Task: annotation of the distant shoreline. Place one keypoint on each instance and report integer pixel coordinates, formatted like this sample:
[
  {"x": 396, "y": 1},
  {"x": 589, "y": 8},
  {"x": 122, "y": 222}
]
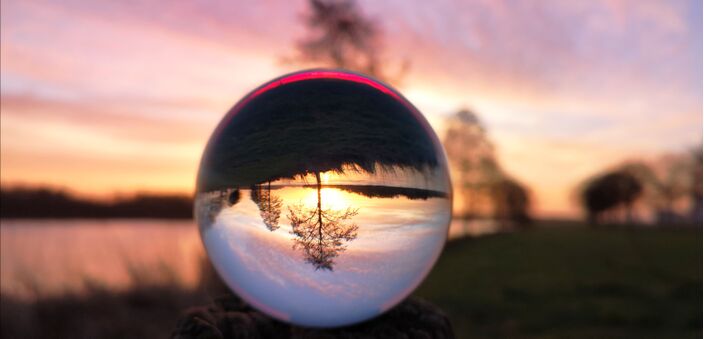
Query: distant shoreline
[
  {"x": 45, "y": 203},
  {"x": 370, "y": 191},
  {"x": 44, "y": 219},
  {"x": 380, "y": 191}
]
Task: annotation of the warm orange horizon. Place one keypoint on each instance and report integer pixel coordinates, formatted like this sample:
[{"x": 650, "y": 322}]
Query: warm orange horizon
[{"x": 110, "y": 98}]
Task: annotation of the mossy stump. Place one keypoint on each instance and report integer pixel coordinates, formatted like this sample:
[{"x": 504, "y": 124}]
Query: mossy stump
[{"x": 229, "y": 317}]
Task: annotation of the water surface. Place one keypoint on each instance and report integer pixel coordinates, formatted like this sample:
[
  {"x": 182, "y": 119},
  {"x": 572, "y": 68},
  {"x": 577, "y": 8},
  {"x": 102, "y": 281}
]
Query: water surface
[{"x": 52, "y": 257}]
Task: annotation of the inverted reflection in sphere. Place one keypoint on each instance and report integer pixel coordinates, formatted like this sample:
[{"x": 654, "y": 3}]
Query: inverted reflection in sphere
[{"x": 323, "y": 198}]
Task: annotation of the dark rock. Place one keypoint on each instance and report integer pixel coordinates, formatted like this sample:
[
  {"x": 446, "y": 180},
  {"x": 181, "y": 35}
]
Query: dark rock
[{"x": 230, "y": 317}]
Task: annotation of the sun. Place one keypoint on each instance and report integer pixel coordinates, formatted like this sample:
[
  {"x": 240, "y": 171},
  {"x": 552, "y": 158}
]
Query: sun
[
  {"x": 334, "y": 198},
  {"x": 330, "y": 198}
]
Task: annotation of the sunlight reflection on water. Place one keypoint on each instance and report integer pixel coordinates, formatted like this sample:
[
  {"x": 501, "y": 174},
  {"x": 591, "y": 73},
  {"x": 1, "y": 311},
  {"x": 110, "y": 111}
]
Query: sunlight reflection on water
[{"x": 42, "y": 258}]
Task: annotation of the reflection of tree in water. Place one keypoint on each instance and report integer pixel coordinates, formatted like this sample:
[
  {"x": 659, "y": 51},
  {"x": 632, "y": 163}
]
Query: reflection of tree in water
[
  {"x": 321, "y": 233},
  {"x": 269, "y": 205}
]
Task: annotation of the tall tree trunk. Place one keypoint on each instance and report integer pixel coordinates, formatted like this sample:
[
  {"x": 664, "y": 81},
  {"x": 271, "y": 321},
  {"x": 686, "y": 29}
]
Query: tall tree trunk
[
  {"x": 268, "y": 193},
  {"x": 320, "y": 211}
]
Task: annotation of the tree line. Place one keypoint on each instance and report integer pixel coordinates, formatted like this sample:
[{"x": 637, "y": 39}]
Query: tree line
[
  {"x": 43, "y": 203},
  {"x": 665, "y": 191}
]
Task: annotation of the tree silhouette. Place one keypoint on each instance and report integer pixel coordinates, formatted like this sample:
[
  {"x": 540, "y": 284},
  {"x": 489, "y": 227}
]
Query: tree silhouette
[
  {"x": 472, "y": 155},
  {"x": 269, "y": 205},
  {"x": 609, "y": 192},
  {"x": 46, "y": 202},
  {"x": 321, "y": 233},
  {"x": 485, "y": 189},
  {"x": 511, "y": 202},
  {"x": 340, "y": 35},
  {"x": 695, "y": 188},
  {"x": 673, "y": 179}
]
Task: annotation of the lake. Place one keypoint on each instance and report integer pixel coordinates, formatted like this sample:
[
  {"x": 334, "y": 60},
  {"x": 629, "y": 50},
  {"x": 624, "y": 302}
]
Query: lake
[
  {"x": 49, "y": 257},
  {"x": 39, "y": 258}
]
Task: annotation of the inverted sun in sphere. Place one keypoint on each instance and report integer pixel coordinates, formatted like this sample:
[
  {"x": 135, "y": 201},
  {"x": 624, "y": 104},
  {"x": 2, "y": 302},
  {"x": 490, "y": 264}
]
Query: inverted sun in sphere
[{"x": 323, "y": 198}]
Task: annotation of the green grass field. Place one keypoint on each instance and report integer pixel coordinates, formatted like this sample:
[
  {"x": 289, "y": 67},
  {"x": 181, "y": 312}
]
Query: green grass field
[{"x": 572, "y": 282}]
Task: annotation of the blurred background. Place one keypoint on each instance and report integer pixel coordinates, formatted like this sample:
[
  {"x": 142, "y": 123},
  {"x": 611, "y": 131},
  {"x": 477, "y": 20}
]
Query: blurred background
[{"x": 573, "y": 129}]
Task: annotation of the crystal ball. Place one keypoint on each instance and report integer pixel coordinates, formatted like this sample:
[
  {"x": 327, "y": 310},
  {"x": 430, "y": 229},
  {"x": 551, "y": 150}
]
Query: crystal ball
[{"x": 323, "y": 198}]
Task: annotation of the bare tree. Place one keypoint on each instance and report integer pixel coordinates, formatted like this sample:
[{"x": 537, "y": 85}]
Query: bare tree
[
  {"x": 320, "y": 233},
  {"x": 340, "y": 35},
  {"x": 269, "y": 205}
]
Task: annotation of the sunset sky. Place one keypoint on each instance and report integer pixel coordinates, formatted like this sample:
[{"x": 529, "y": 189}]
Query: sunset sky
[{"x": 106, "y": 97}]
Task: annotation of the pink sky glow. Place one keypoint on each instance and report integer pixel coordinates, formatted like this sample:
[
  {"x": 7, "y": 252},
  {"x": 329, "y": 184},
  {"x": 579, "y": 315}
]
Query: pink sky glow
[{"x": 104, "y": 97}]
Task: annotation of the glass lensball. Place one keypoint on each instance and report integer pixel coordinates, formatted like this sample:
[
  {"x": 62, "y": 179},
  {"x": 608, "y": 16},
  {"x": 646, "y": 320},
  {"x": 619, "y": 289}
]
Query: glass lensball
[{"x": 323, "y": 198}]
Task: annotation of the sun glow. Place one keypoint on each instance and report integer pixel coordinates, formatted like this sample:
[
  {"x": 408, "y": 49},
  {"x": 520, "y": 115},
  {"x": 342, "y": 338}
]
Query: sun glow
[{"x": 330, "y": 198}]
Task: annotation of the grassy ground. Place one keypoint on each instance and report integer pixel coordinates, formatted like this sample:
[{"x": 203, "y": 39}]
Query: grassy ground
[
  {"x": 572, "y": 283},
  {"x": 144, "y": 312}
]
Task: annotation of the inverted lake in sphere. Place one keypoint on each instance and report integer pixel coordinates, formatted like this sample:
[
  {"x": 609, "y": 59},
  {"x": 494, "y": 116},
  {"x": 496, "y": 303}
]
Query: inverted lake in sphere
[
  {"x": 323, "y": 198},
  {"x": 398, "y": 239}
]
